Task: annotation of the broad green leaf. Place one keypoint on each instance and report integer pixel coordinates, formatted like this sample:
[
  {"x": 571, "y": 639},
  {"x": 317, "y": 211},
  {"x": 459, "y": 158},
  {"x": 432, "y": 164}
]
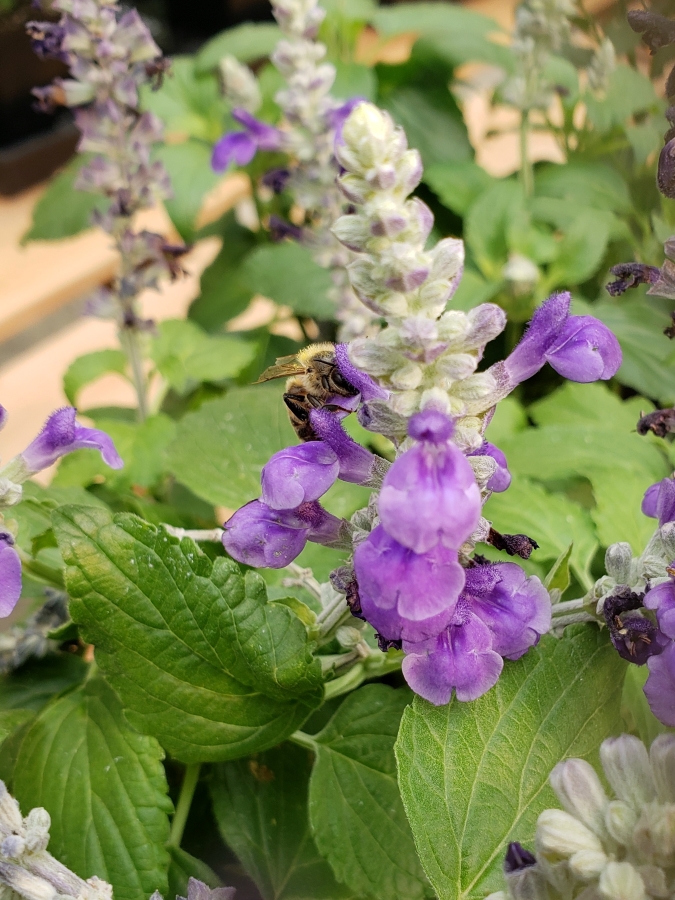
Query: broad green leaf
[
  {"x": 34, "y": 513},
  {"x": 37, "y": 681},
  {"x": 186, "y": 355},
  {"x": 629, "y": 92},
  {"x": 90, "y": 367},
  {"x": 551, "y": 519},
  {"x": 457, "y": 184},
  {"x": 103, "y": 785},
  {"x": 287, "y": 274},
  {"x": 199, "y": 658},
  {"x": 62, "y": 211},
  {"x": 182, "y": 867},
  {"x": 472, "y": 291},
  {"x": 509, "y": 418},
  {"x": 354, "y": 80},
  {"x": 474, "y": 776},
  {"x": 645, "y": 138},
  {"x": 189, "y": 102},
  {"x": 248, "y": 42},
  {"x": 580, "y": 251},
  {"x": 11, "y": 719},
  {"x": 260, "y": 805},
  {"x": 487, "y": 223},
  {"x": 354, "y": 802},
  {"x": 588, "y": 184},
  {"x": 220, "y": 449},
  {"x": 189, "y": 167},
  {"x": 588, "y": 404}
]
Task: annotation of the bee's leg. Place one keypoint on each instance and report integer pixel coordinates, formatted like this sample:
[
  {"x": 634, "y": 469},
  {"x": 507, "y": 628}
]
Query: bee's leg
[{"x": 296, "y": 408}]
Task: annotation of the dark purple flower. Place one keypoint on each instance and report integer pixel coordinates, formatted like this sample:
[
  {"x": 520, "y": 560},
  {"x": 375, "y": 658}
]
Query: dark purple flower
[
  {"x": 630, "y": 275},
  {"x": 241, "y": 146},
  {"x": 502, "y": 477},
  {"x": 276, "y": 179},
  {"x": 46, "y": 39},
  {"x": 61, "y": 435},
  {"x": 659, "y": 501},
  {"x": 665, "y": 176},
  {"x": 662, "y": 599},
  {"x": 260, "y": 536},
  {"x": 517, "y": 858},
  {"x": 10, "y": 574},
  {"x": 580, "y": 348},
  {"x": 357, "y": 465},
  {"x": 429, "y": 495},
  {"x": 634, "y": 636},
  {"x": 299, "y": 475},
  {"x": 363, "y": 383},
  {"x": 403, "y": 594},
  {"x": 280, "y": 229}
]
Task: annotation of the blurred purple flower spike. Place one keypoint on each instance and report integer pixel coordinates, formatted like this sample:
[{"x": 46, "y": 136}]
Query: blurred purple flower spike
[
  {"x": 61, "y": 435},
  {"x": 10, "y": 574},
  {"x": 3, "y": 417},
  {"x": 241, "y": 146}
]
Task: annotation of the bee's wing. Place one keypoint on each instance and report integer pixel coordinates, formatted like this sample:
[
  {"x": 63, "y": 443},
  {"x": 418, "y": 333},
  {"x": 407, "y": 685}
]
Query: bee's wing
[{"x": 281, "y": 370}]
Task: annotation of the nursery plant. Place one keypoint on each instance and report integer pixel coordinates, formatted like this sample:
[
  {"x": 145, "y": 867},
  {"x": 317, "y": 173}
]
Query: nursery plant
[{"x": 363, "y": 632}]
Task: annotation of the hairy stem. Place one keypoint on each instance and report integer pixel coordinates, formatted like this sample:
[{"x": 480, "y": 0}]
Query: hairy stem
[
  {"x": 187, "y": 792},
  {"x": 212, "y": 535},
  {"x": 567, "y": 606},
  {"x": 526, "y": 171},
  {"x": 129, "y": 339}
]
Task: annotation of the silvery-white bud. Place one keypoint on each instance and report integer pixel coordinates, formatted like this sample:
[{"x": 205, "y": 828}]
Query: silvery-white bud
[
  {"x": 240, "y": 86},
  {"x": 448, "y": 258},
  {"x": 580, "y": 792},
  {"x": 654, "y": 834},
  {"x": 374, "y": 358},
  {"x": 667, "y": 533},
  {"x": 13, "y": 846},
  {"x": 348, "y": 636},
  {"x": 454, "y": 326},
  {"x": 620, "y": 819},
  {"x": 409, "y": 171},
  {"x": 486, "y": 321},
  {"x": 475, "y": 387},
  {"x": 587, "y": 864},
  {"x": 468, "y": 433},
  {"x": 527, "y": 884},
  {"x": 353, "y": 231},
  {"x": 621, "y": 881},
  {"x": 560, "y": 834},
  {"x": 10, "y": 814},
  {"x": 366, "y": 133},
  {"x": 662, "y": 758},
  {"x": 618, "y": 559},
  {"x": 37, "y": 824},
  {"x": 378, "y": 416},
  {"x": 29, "y": 886},
  {"x": 407, "y": 377},
  {"x": 436, "y": 398},
  {"x": 10, "y": 493},
  {"x": 355, "y": 188},
  {"x": 484, "y": 467},
  {"x": 654, "y": 880},
  {"x": 627, "y": 768},
  {"x": 456, "y": 366}
]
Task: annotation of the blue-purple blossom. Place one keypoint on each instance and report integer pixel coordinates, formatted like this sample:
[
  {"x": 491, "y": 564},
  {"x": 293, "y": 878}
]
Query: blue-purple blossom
[
  {"x": 659, "y": 501},
  {"x": 500, "y": 613},
  {"x": 501, "y": 479},
  {"x": 10, "y": 574},
  {"x": 356, "y": 464},
  {"x": 429, "y": 495},
  {"x": 361, "y": 381},
  {"x": 241, "y": 146},
  {"x": 299, "y": 475},
  {"x": 581, "y": 348},
  {"x": 61, "y": 435},
  {"x": 405, "y": 595},
  {"x": 262, "y": 537},
  {"x": 660, "y": 686}
]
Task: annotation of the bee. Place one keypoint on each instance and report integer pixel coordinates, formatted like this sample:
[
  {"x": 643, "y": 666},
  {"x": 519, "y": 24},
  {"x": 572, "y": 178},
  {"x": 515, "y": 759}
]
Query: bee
[{"x": 315, "y": 382}]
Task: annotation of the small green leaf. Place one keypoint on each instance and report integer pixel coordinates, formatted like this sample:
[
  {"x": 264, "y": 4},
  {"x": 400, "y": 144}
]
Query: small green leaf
[
  {"x": 287, "y": 274},
  {"x": 354, "y": 802},
  {"x": 629, "y": 92},
  {"x": 103, "y": 785},
  {"x": 464, "y": 796},
  {"x": 189, "y": 167},
  {"x": 457, "y": 184},
  {"x": 487, "y": 223},
  {"x": 232, "y": 438},
  {"x": 199, "y": 658},
  {"x": 186, "y": 355},
  {"x": 90, "y": 367},
  {"x": 637, "y": 716},
  {"x": 558, "y": 578},
  {"x": 248, "y": 42},
  {"x": 580, "y": 251},
  {"x": 63, "y": 211},
  {"x": 589, "y": 184},
  {"x": 189, "y": 102},
  {"x": 260, "y": 805}
]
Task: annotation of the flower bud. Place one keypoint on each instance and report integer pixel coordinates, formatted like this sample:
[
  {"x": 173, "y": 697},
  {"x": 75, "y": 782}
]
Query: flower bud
[
  {"x": 240, "y": 86},
  {"x": 627, "y": 768},
  {"x": 348, "y": 636},
  {"x": 378, "y": 416},
  {"x": 352, "y": 231},
  {"x": 667, "y": 534},
  {"x": 620, "y": 881},
  {"x": 456, "y": 366},
  {"x": 620, "y": 819},
  {"x": 654, "y": 880},
  {"x": 409, "y": 171},
  {"x": 448, "y": 258},
  {"x": 662, "y": 758},
  {"x": 407, "y": 377},
  {"x": 10, "y": 493},
  {"x": 587, "y": 864},
  {"x": 580, "y": 792},
  {"x": 560, "y": 834},
  {"x": 618, "y": 559},
  {"x": 485, "y": 323},
  {"x": 654, "y": 834},
  {"x": 37, "y": 823},
  {"x": 484, "y": 467}
]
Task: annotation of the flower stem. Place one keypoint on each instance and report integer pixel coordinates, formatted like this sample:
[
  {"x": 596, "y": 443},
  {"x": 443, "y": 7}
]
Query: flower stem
[
  {"x": 572, "y": 620},
  {"x": 526, "y": 171},
  {"x": 187, "y": 792},
  {"x": 303, "y": 740},
  {"x": 567, "y": 606},
  {"x": 213, "y": 535},
  {"x": 129, "y": 339}
]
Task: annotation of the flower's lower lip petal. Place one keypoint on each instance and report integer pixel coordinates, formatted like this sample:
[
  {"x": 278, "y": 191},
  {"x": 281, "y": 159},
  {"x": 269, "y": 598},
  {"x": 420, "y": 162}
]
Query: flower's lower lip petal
[{"x": 10, "y": 578}]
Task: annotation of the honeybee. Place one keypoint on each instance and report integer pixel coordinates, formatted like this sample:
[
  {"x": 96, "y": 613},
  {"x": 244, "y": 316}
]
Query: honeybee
[{"x": 315, "y": 382}]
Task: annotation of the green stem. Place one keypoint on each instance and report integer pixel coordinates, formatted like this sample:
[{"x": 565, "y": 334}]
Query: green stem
[
  {"x": 187, "y": 792},
  {"x": 129, "y": 339},
  {"x": 526, "y": 171},
  {"x": 303, "y": 740}
]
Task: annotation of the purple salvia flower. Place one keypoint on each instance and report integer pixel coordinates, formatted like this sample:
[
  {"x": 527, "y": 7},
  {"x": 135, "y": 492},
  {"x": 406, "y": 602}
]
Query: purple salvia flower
[
  {"x": 660, "y": 686},
  {"x": 634, "y": 636},
  {"x": 61, "y": 435},
  {"x": 659, "y": 501},
  {"x": 3, "y": 417},
  {"x": 429, "y": 495},
  {"x": 47, "y": 39},
  {"x": 10, "y": 574},
  {"x": 363, "y": 383},
  {"x": 280, "y": 229},
  {"x": 260, "y": 536},
  {"x": 501, "y": 479},
  {"x": 276, "y": 179},
  {"x": 241, "y": 146},
  {"x": 405, "y": 595},
  {"x": 299, "y": 475},
  {"x": 357, "y": 465}
]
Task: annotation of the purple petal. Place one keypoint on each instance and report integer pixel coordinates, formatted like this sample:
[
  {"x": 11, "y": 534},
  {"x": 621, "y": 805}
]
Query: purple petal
[
  {"x": 659, "y": 501},
  {"x": 237, "y": 147},
  {"x": 324, "y": 528},
  {"x": 263, "y": 537},
  {"x": 431, "y": 426},
  {"x": 405, "y": 595},
  {"x": 545, "y": 326},
  {"x": 650, "y": 500},
  {"x": 356, "y": 464},
  {"x": 360, "y": 381},
  {"x": 3, "y": 417},
  {"x": 660, "y": 686},
  {"x": 515, "y": 608},
  {"x": 10, "y": 574},
  {"x": 461, "y": 658},
  {"x": 299, "y": 474},
  {"x": 662, "y": 599},
  {"x": 266, "y": 136},
  {"x": 501, "y": 479},
  {"x": 586, "y": 350},
  {"x": 430, "y": 496},
  {"x": 61, "y": 435}
]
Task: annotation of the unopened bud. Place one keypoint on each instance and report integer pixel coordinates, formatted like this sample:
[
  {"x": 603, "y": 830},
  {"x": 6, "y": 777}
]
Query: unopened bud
[
  {"x": 240, "y": 86},
  {"x": 627, "y": 768},
  {"x": 667, "y": 533},
  {"x": 654, "y": 834},
  {"x": 348, "y": 636},
  {"x": 37, "y": 824},
  {"x": 620, "y": 881},
  {"x": 618, "y": 559},
  {"x": 587, "y": 864},
  {"x": 560, "y": 834},
  {"x": 10, "y": 493},
  {"x": 620, "y": 819},
  {"x": 662, "y": 758},
  {"x": 407, "y": 377},
  {"x": 580, "y": 792},
  {"x": 377, "y": 416},
  {"x": 654, "y": 880}
]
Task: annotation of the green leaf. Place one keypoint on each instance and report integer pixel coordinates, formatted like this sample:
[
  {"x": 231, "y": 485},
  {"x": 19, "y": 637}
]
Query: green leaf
[
  {"x": 629, "y": 92},
  {"x": 580, "y": 252},
  {"x": 287, "y": 274},
  {"x": 558, "y": 578},
  {"x": 487, "y": 223},
  {"x": 186, "y": 355},
  {"x": 36, "y": 682},
  {"x": 90, "y": 367},
  {"x": 199, "y": 658},
  {"x": 637, "y": 716},
  {"x": 189, "y": 167},
  {"x": 11, "y": 719},
  {"x": 260, "y": 806},
  {"x": 509, "y": 418},
  {"x": 457, "y": 184},
  {"x": 590, "y": 184},
  {"x": 464, "y": 796},
  {"x": 551, "y": 519},
  {"x": 34, "y": 513},
  {"x": 354, "y": 80},
  {"x": 182, "y": 867},
  {"x": 103, "y": 785},
  {"x": 588, "y": 404},
  {"x": 62, "y": 211},
  {"x": 354, "y": 803},
  {"x": 220, "y": 449},
  {"x": 248, "y": 42}
]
